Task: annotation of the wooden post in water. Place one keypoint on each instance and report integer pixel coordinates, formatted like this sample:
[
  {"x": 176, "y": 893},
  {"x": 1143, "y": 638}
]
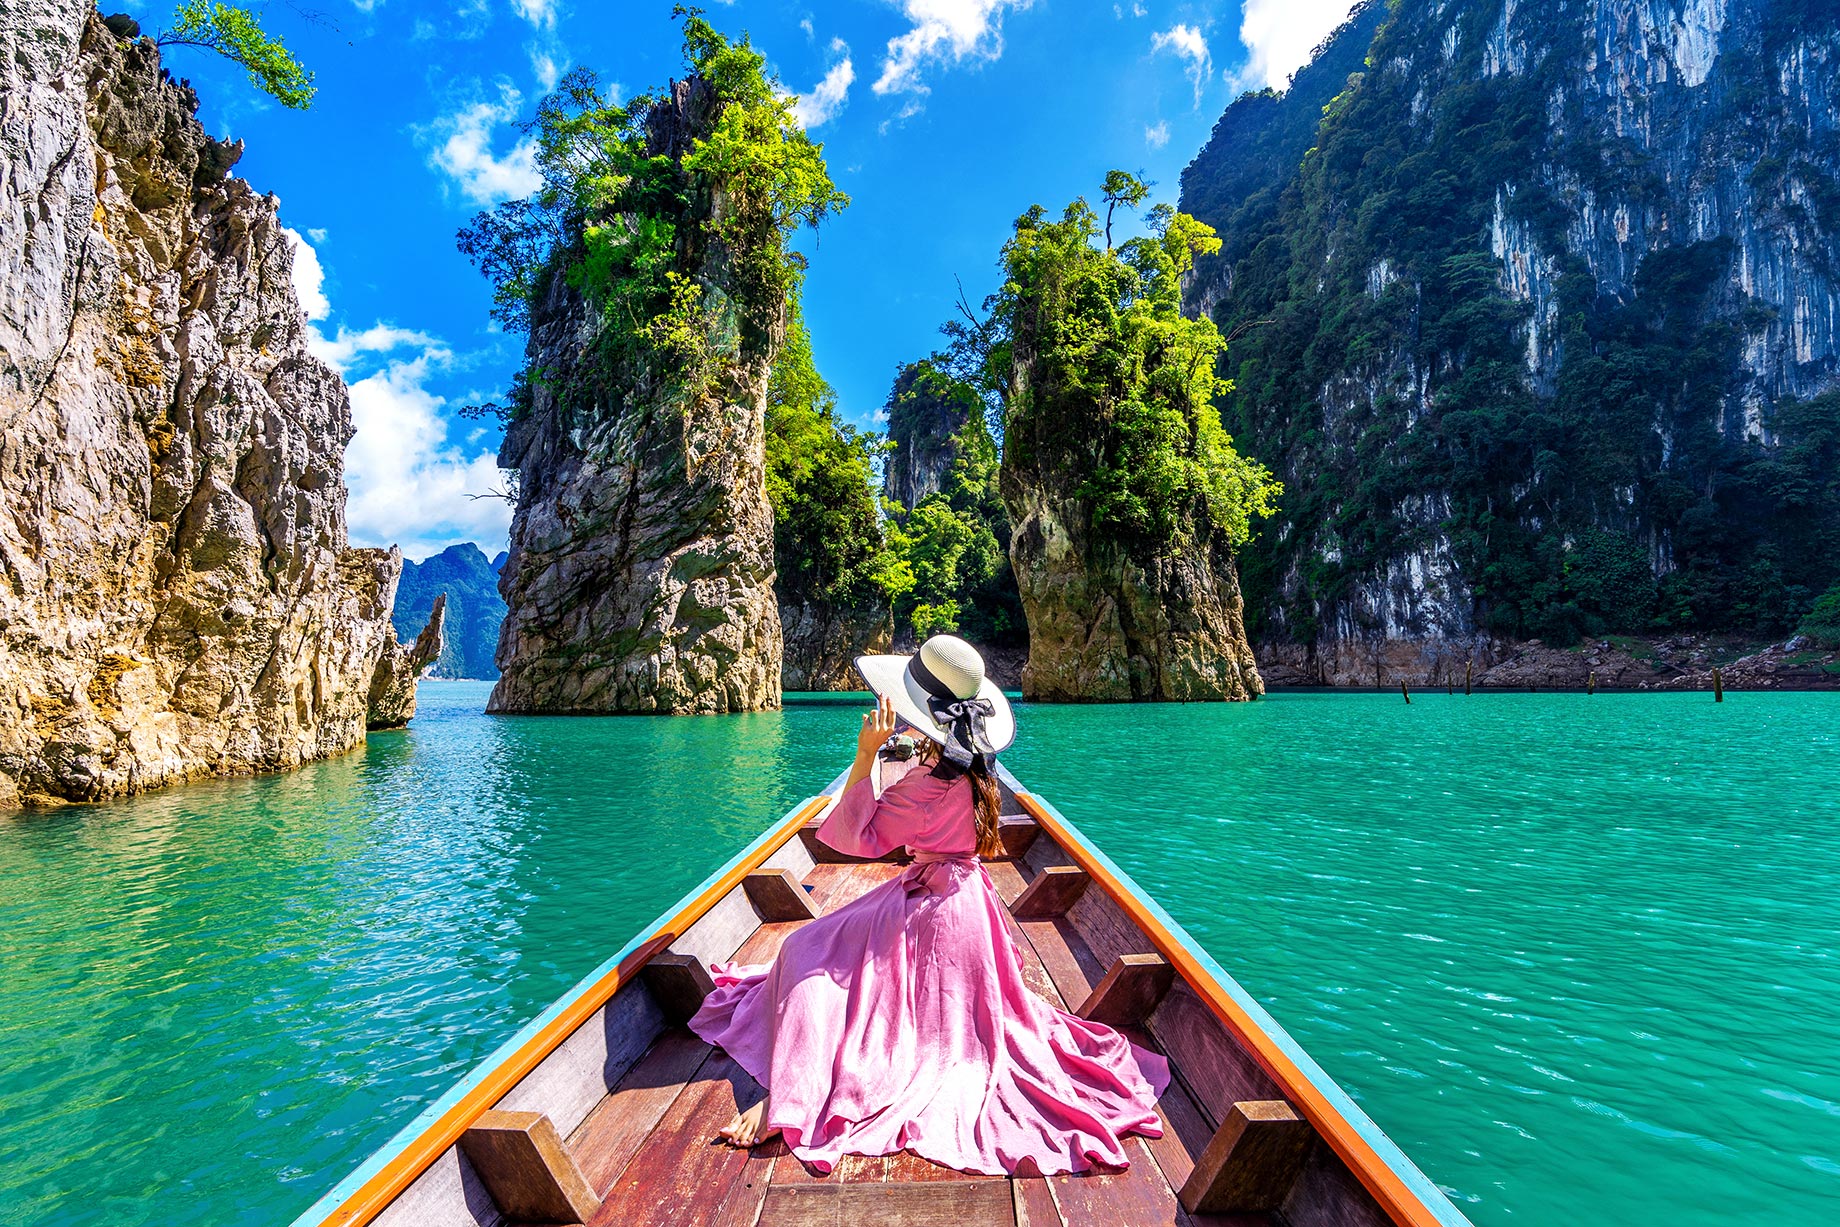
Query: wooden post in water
[
  {"x": 1407, "y": 694},
  {"x": 1718, "y": 686},
  {"x": 1590, "y": 683},
  {"x": 1467, "y": 666}
]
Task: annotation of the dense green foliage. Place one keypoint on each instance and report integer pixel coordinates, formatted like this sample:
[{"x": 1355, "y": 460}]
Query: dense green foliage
[
  {"x": 828, "y": 538},
  {"x": 1119, "y": 385},
  {"x": 627, "y": 214},
  {"x": 1562, "y": 501},
  {"x": 955, "y": 541},
  {"x": 1823, "y": 621},
  {"x": 236, "y": 34}
]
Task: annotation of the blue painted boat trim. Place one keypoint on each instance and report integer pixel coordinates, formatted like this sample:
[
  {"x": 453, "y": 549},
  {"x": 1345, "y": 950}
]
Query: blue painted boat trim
[
  {"x": 1402, "y": 1166},
  {"x": 335, "y": 1196}
]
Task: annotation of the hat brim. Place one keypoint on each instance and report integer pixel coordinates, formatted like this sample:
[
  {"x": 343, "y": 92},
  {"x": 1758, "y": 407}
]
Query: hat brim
[{"x": 888, "y": 677}]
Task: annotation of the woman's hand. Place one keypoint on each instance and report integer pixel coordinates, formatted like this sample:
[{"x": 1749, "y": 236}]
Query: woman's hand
[{"x": 877, "y": 727}]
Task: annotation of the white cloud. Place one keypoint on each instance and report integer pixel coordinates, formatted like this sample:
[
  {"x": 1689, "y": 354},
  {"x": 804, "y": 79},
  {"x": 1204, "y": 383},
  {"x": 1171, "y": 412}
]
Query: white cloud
[
  {"x": 1280, "y": 34},
  {"x": 308, "y": 276},
  {"x": 548, "y": 63},
  {"x": 943, "y": 31},
  {"x": 539, "y": 13},
  {"x": 317, "y": 234},
  {"x": 1157, "y": 135},
  {"x": 821, "y": 102},
  {"x": 462, "y": 148},
  {"x": 341, "y": 351},
  {"x": 1187, "y": 43},
  {"x": 410, "y": 484}
]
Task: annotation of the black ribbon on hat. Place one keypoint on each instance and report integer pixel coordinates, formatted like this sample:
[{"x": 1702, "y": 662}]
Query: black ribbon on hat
[{"x": 963, "y": 719}]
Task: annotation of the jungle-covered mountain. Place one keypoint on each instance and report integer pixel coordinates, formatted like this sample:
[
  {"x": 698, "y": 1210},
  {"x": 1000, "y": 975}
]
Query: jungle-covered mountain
[
  {"x": 474, "y": 608},
  {"x": 1533, "y": 309}
]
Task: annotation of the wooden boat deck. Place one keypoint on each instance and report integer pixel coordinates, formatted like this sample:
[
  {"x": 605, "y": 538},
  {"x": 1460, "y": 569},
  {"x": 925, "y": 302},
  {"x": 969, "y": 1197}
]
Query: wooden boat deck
[{"x": 646, "y": 1148}]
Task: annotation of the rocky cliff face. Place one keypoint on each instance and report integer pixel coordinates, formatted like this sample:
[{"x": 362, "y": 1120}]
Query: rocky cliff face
[
  {"x": 179, "y": 596},
  {"x": 822, "y": 644},
  {"x": 640, "y": 576},
  {"x": 1107, "y": 627},
  {"x": 1538, "y": 326},
  {"x": 924, "y": 419}
]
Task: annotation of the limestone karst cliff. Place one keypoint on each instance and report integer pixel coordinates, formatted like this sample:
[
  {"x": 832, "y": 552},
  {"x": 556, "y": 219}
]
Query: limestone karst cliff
[
  {"x": 924, "y": 421},
  {"x": 1536, "y": 310},
  {"x": 180, "y": 598},
  {"x": 641, "y": 569}
]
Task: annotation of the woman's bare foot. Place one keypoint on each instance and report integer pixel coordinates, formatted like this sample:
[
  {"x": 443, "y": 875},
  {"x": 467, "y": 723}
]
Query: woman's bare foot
[{"x": 747, "y": 1130}]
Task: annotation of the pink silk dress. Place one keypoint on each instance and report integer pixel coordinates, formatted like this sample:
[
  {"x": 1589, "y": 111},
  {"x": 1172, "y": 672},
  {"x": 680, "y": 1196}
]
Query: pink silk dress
[{"x": 902, "y": 1020}]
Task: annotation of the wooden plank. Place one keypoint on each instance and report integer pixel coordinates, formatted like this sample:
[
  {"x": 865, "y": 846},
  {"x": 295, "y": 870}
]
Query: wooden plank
[
  {"x": 1034, "y": 971},
  {"x": 1107, "y": 930},
  {"x": 1051, "y": 893},
  {"x": 851, "y": 882},
  {"x": 578, "y": 1075},
  {"x": 610, "y": 1136},
  {"x": 719, "y": 932},
  {"x": 765, "y": 945},
  {"x": 956, "y": 1203},
  {"x": 823, "y": 854},
  {"x": 1130, "y": 991},
  {"x": 1136, "y": 1196},
  {"x": 1253, "y": 1160},
  {"x": 777, "y": 896},
  {"x": 678, "y": 983},
  {"x": 906, "y": 1167},
  {"x": 1186, "y": 1133},
  {"x": 1033, "y": 1202},
  {"x": 1218, "y": 1072},
  {"x": 527, "y": 1169},
  {"x": 1007, "y": 879},
  {"x": 1065, "y": 956},
  {"x": 448, "y": 1194},
  {"x": 681, "y": 1176},
  {"x": 1329, "y": 1195},
  {"x": 1018, "y": 833}
]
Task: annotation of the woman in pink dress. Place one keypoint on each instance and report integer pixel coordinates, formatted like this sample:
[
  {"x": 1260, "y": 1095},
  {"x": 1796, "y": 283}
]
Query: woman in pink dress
[{"x": 902, "y": 1021}]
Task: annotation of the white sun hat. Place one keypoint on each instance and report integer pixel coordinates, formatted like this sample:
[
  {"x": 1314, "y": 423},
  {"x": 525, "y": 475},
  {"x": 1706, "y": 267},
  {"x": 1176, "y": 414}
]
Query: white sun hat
[{"x": 946, "y": 669}]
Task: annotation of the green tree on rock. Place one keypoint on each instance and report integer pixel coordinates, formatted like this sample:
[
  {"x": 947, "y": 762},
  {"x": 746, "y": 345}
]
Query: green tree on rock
[{"x": 236, "y": 34}]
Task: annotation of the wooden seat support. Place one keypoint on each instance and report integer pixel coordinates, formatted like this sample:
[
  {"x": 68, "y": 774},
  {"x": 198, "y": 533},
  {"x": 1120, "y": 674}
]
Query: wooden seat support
[
  {"x": 678, "y": 983},
  {"x": 527, "y": 1169},
  {"x": 1051, "y": 893},
  {"x": 1018, "y": 832},
  {"x": 777, "y": 895},
  {"x": 1130, "y": 991},
  {"x": 1251, "y": 1162}
]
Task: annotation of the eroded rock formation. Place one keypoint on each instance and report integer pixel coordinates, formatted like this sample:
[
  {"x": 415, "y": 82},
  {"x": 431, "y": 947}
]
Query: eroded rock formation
[
  {"x": 822, "y": 644},
  {"x": 924, "y": 420},
  {"x": 640, "y": 576},
  {"x": 1523, "y": 293},
  {"x": 180, "y": 598},
  {"x": 1108, "y": 626}
]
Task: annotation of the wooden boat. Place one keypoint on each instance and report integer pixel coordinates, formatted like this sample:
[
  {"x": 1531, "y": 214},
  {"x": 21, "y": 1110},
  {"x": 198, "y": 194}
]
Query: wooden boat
[{"x": 601, "y": 1110}]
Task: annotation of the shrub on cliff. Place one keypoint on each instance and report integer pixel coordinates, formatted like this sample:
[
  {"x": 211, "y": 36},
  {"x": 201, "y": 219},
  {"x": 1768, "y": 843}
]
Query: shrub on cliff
[
  {"x": 1823, "y": 621},
  {"x": 235, "y": 33},
  {"x": 629, "y": 224},
  {"x": 1119, "y": 391},
  {"x": 828, "y": 542}
]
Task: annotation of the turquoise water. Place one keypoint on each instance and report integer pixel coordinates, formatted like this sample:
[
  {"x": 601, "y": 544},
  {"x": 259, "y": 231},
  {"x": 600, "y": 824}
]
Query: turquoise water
[{"x": 1579, "y": 956}]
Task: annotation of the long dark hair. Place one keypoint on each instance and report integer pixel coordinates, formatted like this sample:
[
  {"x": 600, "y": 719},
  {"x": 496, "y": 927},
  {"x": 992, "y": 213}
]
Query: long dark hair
[{"x": 986, "y": 800}]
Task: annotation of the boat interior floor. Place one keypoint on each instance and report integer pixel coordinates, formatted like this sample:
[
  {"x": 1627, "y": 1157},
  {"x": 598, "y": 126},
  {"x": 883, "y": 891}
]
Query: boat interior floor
[{"x": 648, "y": 1150}]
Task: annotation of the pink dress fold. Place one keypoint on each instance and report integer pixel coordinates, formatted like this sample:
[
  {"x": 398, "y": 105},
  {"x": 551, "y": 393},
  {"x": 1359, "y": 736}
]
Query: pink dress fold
[{"x": 902, "y": 1020}]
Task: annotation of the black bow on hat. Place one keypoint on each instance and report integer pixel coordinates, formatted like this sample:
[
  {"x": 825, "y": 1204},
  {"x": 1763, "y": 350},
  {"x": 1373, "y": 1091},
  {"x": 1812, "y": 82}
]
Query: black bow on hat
[{"x": 963, "y": 719}]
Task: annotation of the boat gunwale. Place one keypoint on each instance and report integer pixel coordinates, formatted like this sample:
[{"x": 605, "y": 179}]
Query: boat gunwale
[
  {"x": 1403, "y": 1190},
  {"x": 392, "y": 1168}
]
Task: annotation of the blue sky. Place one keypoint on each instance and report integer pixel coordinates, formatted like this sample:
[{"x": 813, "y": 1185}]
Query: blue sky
[{"x": 943, "y": 119}]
